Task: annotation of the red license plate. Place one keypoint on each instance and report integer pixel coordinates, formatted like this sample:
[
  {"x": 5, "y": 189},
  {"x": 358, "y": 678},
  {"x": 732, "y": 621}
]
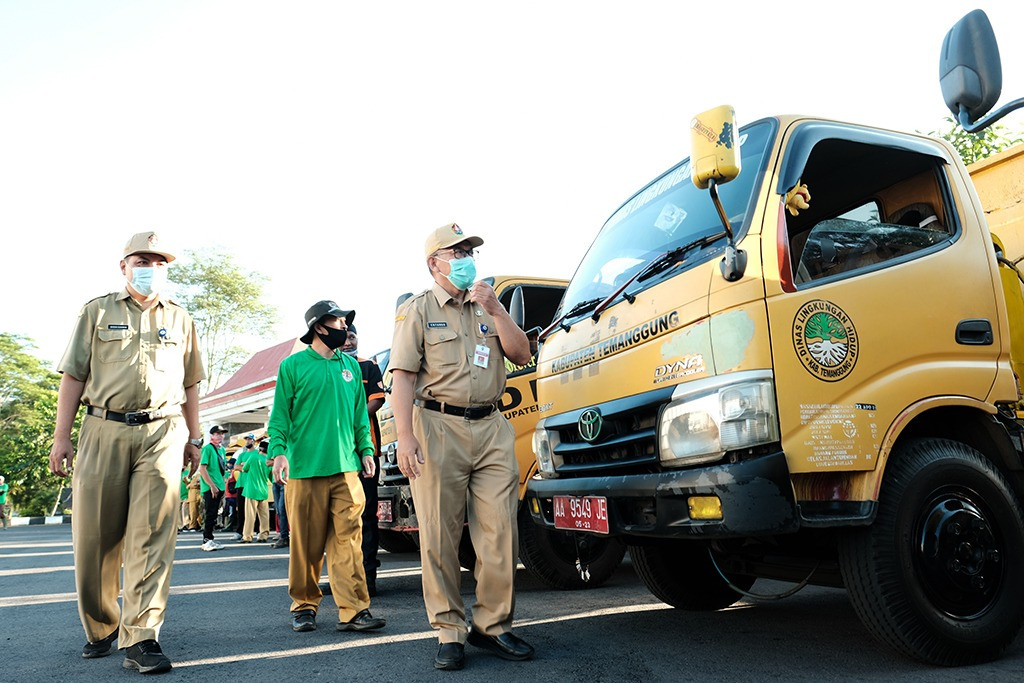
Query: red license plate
[
  {"x": 384, "y": 511},
  {"x": 587, "y": 513}
]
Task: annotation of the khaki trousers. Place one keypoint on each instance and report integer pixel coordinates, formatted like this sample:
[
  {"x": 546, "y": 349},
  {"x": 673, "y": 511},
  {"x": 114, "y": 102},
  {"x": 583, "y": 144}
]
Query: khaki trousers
[
  {"x": 470, "y": 466},
  {"x": 324, "y": 515},
  {"x": 125, "y": 502},
  {"x": 194, "y": 499},
  {"x": 254, "y": 508}
]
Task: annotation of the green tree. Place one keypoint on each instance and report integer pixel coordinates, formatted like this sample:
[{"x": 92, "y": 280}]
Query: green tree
[
  {"x": 28, "y": 409},
  {"x": 976, "y": 146},
  {"x": 824, "y": 326},
  {"x": 226, "y": 303}
]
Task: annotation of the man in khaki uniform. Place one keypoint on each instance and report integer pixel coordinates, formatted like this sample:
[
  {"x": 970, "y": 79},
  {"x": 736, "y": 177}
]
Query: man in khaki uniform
[
  {"x": 133, "y": 361},
  {"x": 447, "y": 360}
]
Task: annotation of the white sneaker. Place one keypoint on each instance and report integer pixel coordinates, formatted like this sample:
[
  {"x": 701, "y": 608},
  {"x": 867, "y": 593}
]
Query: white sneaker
[
  {"x": 210, "y": 545},
  {"x": 237, "y": 537}
]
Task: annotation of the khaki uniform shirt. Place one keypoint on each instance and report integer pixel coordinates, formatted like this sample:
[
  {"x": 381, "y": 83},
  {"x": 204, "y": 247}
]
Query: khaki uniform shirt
[
  {"x": 436, "y": 338},
  {"x": 133, "y": 359}
]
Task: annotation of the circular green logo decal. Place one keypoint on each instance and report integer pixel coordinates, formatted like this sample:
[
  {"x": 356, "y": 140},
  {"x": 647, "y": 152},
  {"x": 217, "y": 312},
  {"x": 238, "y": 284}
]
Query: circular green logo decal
[{"x": 825, "y": 340}]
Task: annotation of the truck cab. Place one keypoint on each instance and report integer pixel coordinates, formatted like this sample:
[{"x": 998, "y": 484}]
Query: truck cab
[{"x": 802, "y": 372}]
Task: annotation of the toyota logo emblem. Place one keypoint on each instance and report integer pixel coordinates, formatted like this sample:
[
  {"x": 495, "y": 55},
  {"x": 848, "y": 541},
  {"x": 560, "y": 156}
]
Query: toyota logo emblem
[{"x": 589, "y": 424}]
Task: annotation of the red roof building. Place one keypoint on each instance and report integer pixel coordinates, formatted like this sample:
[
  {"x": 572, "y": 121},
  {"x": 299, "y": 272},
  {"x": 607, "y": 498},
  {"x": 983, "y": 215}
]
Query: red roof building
[{"x": 243, "y": 403}]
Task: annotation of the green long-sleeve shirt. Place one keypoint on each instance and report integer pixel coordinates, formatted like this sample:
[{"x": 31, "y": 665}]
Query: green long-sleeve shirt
[{"x": 319, "y": 420}]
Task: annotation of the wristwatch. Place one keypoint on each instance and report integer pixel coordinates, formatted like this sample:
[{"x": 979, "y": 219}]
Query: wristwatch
[{"x": 198, "y": 443}]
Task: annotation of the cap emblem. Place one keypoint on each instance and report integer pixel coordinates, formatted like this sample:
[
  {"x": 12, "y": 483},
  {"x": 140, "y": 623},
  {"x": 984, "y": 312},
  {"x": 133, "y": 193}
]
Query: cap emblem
[{"x": 456, "y": 229}]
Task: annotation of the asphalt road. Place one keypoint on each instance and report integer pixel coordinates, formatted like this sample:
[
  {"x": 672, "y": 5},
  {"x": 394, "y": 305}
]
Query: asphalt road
[{"x": 228, "y": 620}]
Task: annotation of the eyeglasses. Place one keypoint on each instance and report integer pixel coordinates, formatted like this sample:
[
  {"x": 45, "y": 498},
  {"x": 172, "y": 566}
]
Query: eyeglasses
[{"x": 459, "y": 253}]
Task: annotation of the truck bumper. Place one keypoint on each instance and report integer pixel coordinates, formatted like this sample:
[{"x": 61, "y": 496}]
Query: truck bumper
[
  {"x": 756, "y": 495},
  {"x": 403, "y": 512}
]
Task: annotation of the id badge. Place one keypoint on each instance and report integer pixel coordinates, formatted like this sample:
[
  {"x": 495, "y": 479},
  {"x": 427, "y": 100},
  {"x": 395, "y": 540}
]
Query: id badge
[{"x": 482, "y": 355}]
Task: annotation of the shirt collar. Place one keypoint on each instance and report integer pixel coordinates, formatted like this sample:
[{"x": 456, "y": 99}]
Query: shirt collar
[
  {"x": 443, "y": 296},
  {"x": 125, "y": 294}
]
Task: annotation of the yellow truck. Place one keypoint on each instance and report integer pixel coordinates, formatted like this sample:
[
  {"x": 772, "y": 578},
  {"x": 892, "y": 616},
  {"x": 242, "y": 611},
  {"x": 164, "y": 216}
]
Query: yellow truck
[
  {"x": 550, "y": 555},
  {"x": 796, "y": 355}
]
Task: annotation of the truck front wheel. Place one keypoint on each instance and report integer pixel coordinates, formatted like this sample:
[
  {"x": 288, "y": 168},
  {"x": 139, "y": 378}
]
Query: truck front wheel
[
  {"x": 682, "y": 574},
  {"x": 551, "y": 555},
  {"x": 937, "y": 575}
]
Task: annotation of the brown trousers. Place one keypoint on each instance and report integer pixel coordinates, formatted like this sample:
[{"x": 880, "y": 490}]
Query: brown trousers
[
  {"x": 253, "y": 509},
  {"x": 470, "y": 466},
  {"x": 125, "y": 505},
  {"x": 324, "y": 515}
]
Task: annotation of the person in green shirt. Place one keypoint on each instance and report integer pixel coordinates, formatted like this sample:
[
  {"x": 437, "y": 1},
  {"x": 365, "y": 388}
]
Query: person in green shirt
[
  {"x": 212, "y": 466},
  {"x": 320, "y": 441},
  {"x": 183, "y": 497},
  {"x": 240, "y": 457},
  {"x": 5, "y": 509},
  {"x": 257, "y": 480}
]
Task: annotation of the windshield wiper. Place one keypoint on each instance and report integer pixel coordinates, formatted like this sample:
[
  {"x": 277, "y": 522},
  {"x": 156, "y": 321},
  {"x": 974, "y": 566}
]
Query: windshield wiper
[
  {"x": 666, "y": 260},
  {"x": 575, "y": 310}
]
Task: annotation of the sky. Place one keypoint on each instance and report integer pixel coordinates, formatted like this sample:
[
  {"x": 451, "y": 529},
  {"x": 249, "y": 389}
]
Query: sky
[{"x": 320, "y": 142}]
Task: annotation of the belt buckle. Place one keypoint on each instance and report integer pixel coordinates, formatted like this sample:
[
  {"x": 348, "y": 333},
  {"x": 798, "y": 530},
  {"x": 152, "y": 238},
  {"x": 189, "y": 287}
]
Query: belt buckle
[{"x": 136, "y": 418}]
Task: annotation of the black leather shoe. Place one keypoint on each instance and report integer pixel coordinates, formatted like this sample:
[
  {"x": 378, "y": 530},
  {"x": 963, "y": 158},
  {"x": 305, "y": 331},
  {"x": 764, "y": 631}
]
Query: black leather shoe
[
  {"x": 101, "y": 648},
  {"x": 364, "y": 621},
  {"x": 304, "y": 620},
  {"x": 450, "y": 657},
  {"x": 506, "y": 646},
  {"x": 147, "y": 657}
]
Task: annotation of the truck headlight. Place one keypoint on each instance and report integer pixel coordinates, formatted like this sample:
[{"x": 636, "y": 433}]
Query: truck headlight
[
  {"x": 709, "y": 417},
  {"x": 543, "y": 448}
]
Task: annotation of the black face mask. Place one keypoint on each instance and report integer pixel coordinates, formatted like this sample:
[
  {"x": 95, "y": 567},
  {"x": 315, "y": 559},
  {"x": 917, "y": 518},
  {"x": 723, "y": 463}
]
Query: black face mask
[{"x": 334, "y": 339}]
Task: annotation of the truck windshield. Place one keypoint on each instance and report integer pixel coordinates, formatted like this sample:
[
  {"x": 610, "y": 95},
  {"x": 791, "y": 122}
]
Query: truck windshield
[{"x": 668, "y": 213}]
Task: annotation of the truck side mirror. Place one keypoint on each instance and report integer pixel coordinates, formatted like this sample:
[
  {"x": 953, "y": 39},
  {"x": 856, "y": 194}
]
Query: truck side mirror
[
  {"x": 516, "y": 307},
  {"x": 970, "y": 73},
  {"x": 714, "y": 154},
  {"x": 715, "y": 159}
]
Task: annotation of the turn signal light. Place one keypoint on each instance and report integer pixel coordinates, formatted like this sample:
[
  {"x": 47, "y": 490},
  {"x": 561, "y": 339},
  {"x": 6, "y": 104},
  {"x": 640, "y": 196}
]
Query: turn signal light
[{"x": 705, "y": 507}]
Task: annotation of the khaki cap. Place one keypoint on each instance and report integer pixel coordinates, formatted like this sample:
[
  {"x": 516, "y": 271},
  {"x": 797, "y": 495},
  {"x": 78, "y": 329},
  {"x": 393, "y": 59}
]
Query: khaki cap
[
  {"x": 146, "y": 243},
  {"x": 448, "y": 236}
]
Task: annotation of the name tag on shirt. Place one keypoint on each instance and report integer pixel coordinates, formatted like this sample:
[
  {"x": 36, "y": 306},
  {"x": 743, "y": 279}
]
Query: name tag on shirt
[
  {"x": 117, "y": 327},
  {"x": 436, "y": 325},
  {"x": 482, "y": 355}
]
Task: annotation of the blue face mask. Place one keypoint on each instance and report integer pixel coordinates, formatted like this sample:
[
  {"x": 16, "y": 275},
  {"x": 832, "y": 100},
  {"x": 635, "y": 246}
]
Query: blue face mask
[
  {"x": 463, "y": 272},
  {"x": 150, "y": 280}
]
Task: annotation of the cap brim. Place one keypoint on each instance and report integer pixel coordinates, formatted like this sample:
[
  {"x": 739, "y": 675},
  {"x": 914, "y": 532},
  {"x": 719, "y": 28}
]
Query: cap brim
[
  {"x": 473, "y": 240},
  {"x": 167, "y": 255},
  {"x": 349, "y": 316}
]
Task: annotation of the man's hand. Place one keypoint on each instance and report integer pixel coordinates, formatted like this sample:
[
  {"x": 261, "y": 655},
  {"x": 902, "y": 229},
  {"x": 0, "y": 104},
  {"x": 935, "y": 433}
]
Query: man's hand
[
  {"x": 281, "y": 469},
  {"x": 482, "y": 293},
  {"x": 410, "y": 456},
  {"x": 62, "y": 456},
  {"x": 369, "y": 467},
  {"x": 191, "y": 459},
  {"x": 214, "y": 490}
]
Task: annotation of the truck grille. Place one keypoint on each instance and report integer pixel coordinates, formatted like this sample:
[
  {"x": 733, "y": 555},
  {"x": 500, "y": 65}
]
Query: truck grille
[{"x": 628, "y": 435}]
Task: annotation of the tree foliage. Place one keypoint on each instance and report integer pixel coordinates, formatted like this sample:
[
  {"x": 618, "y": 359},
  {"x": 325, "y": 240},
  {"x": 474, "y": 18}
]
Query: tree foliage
[
  {"x": 974, "y": 147},
  {"x": 28, "y": 410},
  {"x": 226, "y": 303}
]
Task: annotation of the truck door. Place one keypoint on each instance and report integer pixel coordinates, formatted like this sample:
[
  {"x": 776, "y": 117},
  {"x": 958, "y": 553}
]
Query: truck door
[{"x": 890, "y": 298}]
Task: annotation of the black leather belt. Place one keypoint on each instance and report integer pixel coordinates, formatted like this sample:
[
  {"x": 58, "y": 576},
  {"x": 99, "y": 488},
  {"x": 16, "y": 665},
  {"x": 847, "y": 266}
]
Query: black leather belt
[
  {"x": 472, "y": 413},
  {"x": 138, "y": 417}
]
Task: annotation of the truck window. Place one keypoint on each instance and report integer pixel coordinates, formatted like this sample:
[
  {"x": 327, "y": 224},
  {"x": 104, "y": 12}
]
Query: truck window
[
  {"x": 872, "y": 206},
  {"x": 668, "y": 213}
]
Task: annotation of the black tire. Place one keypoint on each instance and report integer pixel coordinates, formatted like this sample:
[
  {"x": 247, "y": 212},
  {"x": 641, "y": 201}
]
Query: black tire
[
  {"x": 550, "y": 555},
  {"x": 398, "y": 541},
  {"x": 682, "y": 574},
  {"x": 938, "y": 574}
]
